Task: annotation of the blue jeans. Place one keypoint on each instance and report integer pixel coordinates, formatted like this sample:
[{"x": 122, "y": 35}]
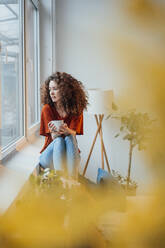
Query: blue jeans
[{"x": 62, "y": 153}]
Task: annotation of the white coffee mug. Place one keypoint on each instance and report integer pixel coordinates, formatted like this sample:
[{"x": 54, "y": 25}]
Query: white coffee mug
[{"x": 57, "y": 123}]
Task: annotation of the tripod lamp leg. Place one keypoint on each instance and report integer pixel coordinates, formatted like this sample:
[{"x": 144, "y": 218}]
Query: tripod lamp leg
[{"x": 86, "y": 165}]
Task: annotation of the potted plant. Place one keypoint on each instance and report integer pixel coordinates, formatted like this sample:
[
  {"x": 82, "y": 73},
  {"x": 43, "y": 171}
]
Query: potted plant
[
  {"x": 123, "y": 182},
  {"x": 136, "y": 128}
]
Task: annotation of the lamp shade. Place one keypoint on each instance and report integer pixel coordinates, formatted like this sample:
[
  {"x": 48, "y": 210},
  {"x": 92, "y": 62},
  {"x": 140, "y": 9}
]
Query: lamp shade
[{"x": 100, "y": 101}]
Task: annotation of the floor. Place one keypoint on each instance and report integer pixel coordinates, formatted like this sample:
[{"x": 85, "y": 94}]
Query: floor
[{"x": 16, "y": 170}]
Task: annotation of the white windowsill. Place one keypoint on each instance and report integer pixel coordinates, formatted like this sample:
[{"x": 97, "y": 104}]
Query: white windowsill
[{"x": 16, "y": 169}]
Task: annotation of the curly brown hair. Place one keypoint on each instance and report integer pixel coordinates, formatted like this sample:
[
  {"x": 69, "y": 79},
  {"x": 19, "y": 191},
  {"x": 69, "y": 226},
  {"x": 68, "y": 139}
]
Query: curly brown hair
[{"x": 74, "y": 98}]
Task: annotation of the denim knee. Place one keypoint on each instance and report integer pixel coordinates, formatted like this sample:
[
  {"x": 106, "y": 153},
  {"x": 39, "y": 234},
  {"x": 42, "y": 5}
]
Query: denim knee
[
  {"x": 58, "y": 141},
  {"x": 71, "y": 143},
  {"x": 69, "y": 138}
]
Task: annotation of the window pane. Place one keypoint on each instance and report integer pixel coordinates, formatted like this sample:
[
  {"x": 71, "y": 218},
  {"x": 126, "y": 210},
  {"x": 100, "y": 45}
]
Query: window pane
[
  {"x": 11, "y": 72},
  {"x": 32, "y": 61}
]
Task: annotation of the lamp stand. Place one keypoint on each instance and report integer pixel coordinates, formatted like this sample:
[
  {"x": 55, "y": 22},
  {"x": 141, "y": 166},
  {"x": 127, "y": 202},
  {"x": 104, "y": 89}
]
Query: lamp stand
[{"x": 99, "y": 119}]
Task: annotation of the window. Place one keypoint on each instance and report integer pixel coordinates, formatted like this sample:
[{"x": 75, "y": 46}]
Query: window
[
  {"x": 19, "y": 81},
  {"x": 11, "y": 72},
  {"x": 32, "y": 62}
]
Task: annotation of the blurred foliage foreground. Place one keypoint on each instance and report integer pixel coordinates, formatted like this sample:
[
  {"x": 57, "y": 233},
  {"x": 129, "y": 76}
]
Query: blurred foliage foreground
[{"x": 55, "y": 211}]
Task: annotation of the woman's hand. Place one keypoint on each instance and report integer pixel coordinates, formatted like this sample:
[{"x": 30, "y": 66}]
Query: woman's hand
[
  {"x": 64, "y": 129},
  {"x": 53, "y": 130},
  {"x": 52, "y": 127}
]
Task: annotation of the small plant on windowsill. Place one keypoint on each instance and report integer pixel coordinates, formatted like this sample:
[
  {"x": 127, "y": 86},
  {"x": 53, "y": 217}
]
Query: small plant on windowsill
[
  {"x": 52, "y": 180},
  {"x": 136, "y": 128}
]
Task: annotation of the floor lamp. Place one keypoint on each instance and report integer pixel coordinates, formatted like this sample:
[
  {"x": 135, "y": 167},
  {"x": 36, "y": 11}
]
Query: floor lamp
[{"x": 100, "y": 105}]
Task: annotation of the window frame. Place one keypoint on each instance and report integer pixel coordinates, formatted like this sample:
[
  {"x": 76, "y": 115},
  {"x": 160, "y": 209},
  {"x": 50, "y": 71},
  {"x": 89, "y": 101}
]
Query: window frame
[
  {"x": 28, "y": 134},
  {"x": 30, "y": 131}
]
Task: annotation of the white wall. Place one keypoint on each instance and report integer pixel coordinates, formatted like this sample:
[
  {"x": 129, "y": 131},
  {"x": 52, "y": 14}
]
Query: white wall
[
  {"x": 86, "y": 32},
  {"x": 47, "y": 64}
]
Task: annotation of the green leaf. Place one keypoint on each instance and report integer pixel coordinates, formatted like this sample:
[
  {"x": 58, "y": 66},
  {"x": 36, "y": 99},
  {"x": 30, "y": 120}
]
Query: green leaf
[
  {"x": 124, "y": 120},
  {"x": 128, "y": 137},
  {"x": 114, "y": 106},
  {"x": 121, "y": 129},
  {"x": 108, "y": 117},
  {"x": 117, "y": 135},
  {"x": 141, "y": 147}
]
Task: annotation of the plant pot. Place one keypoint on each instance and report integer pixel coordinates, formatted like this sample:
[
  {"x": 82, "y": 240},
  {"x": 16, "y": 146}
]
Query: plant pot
[{"x": 130, "y": 191}]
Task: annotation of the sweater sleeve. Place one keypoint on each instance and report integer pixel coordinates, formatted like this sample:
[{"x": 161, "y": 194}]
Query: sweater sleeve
[
  {"x": 46, "y": 117},
  {"x": 77, "y": 124}
]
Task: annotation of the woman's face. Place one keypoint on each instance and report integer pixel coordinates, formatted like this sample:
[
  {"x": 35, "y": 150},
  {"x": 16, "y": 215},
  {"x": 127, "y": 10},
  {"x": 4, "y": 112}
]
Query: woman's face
[{"x": 54, "y": 91}]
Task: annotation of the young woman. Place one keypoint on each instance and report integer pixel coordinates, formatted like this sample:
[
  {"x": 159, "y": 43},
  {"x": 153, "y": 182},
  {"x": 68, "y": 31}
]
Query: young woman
[{"x": 63, "y": 98}]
